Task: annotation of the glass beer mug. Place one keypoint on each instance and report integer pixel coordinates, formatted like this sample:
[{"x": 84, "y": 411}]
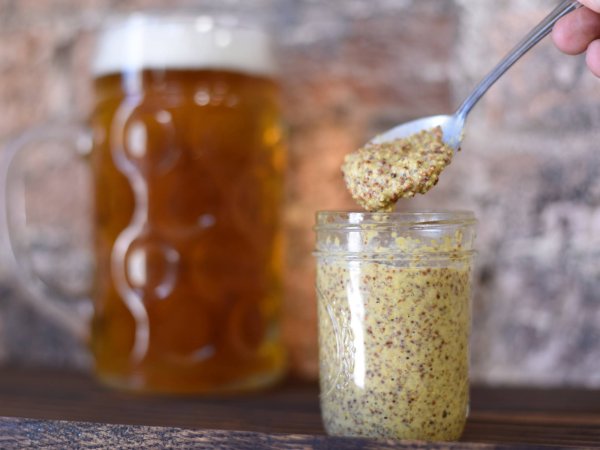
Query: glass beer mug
[{"x": 187, "y": 164}]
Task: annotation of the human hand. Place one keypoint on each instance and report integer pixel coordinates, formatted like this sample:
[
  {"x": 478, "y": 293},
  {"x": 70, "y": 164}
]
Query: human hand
[{"x": 579, "y": 32}]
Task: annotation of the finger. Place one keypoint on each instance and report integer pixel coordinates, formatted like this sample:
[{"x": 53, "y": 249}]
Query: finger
[
  {"x": 593, "y": 57},
  {"x": 594, "y": 5},
  {"x": 573, "y": 33}
]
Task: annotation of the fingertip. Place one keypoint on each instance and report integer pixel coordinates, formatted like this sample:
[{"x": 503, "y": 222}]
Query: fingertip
[
  {"x": 575, "y": 31},
  {"x": 592, "y": 57},
  {"x": 561, "y": 35}
]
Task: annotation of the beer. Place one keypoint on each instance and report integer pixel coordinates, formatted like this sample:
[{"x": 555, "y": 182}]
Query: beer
[{"x": 188, "y": 164}]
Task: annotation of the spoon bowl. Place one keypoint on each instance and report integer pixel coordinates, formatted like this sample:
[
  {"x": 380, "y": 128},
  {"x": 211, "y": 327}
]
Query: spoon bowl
[{"x": 452, "y": 125}]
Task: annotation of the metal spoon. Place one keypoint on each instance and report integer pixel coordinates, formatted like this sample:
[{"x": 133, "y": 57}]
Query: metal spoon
[{"x": 453, "y": 125}]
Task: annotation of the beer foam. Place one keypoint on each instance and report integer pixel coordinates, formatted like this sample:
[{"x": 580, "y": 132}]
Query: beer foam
[{"x": 203, "y": 42}]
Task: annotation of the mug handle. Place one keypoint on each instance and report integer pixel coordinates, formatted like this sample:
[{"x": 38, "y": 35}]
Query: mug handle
[{"x": 13, "y": 221}]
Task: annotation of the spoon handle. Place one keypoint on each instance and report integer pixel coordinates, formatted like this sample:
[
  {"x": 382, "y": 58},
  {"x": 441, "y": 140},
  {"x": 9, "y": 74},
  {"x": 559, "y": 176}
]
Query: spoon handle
[{"x": 534, "y": 36}]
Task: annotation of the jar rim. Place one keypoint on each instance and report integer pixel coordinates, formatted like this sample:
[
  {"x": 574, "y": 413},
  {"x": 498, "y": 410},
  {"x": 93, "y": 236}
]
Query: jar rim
[{"x": 335, "y": 219}]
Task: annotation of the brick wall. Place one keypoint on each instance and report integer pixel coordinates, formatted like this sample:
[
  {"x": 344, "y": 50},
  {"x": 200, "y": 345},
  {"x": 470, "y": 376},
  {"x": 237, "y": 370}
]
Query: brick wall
[{"x": 529, "y": 166}]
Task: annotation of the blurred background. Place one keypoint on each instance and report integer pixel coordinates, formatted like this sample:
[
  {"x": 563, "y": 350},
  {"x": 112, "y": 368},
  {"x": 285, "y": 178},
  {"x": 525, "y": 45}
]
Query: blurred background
[{"x": 529, "y": 168}]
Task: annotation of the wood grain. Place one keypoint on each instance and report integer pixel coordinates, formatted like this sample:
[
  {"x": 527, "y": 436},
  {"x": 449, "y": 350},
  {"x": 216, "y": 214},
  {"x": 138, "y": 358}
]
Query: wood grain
[
  {"x": 63, "y": 408},
  {"x": 29, "y": 433}
]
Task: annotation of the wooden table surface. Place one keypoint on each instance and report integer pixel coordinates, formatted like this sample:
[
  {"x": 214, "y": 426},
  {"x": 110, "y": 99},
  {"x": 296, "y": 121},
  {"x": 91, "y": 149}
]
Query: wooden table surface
[{"x": 65, "y": 409}]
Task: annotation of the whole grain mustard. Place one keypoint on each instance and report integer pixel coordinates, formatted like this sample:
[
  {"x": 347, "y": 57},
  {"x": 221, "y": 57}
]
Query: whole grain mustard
[
  {"x": 394, "y": 309},
  {"x": 394, "y": 349},
  {"x": 378, "y": 175}
]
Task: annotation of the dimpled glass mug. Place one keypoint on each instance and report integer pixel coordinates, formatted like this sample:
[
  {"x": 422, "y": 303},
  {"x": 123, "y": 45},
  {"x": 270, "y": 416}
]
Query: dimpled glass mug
[{"x": 187, "y": 164}]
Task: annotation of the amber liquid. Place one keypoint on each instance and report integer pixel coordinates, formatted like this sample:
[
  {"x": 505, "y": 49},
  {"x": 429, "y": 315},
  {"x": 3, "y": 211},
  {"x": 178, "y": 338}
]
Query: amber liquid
[{"x": 188, "y": 168}]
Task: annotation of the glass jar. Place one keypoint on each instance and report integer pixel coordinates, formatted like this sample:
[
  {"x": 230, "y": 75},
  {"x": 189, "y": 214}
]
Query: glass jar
[{"x": 394, "y": 294}]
